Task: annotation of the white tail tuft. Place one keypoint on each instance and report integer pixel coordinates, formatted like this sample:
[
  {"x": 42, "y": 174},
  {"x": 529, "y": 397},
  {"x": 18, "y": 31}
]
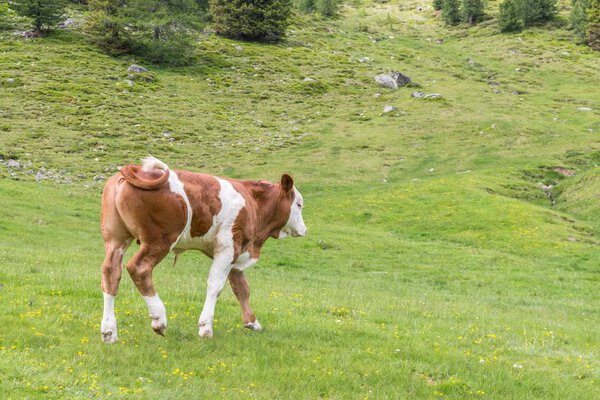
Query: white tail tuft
[{"x": 149, "y": 163}]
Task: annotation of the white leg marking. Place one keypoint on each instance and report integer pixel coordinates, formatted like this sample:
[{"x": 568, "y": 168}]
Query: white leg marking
[
  {"x": 255, "y": 326},
  {"x": 158, "y": 313},
  {"x": 108, "y": 328},
  {"x": 216, "y": 280}
]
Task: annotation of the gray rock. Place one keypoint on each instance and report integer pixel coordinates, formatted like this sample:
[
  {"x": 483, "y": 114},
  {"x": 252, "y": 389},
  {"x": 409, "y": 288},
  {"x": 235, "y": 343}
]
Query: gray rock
[
  {"x": 13, "y": 164},
  {"x": 586, "y": 109},
  {"x": 99, "y": 177},
  {"x": 376, "y": 95},
  {"x": 136, "y": 68},
  {"x": 66, "y": 23},
  {"x": 392, "y": 81},
  {"x": 430, "y": 96},
  {"x": 10, "y": 80},
  {"x": 388, "y": 109},
  {"x": 129, "y": 82},
  {"x": 39, "y": 176},
  {"x": 307, "y": 79},
  {"x": 387, "y": 81},
  {"x": 364, "y": 59}
]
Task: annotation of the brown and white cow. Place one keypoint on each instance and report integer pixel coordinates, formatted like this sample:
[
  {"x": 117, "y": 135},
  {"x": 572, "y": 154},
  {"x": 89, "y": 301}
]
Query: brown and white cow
[{"x": 229, "y": 220}]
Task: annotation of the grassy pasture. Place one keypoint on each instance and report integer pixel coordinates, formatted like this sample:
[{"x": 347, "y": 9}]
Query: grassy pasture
[{"x": 435, "y": 266}]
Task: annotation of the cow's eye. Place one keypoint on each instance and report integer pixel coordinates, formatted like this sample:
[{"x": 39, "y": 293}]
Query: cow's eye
[{"x": 299, "y": 205}]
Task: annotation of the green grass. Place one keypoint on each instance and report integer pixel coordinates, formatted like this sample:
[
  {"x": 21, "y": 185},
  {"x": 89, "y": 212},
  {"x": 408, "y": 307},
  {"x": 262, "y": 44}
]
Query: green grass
[{"x": 434, "y": 265}]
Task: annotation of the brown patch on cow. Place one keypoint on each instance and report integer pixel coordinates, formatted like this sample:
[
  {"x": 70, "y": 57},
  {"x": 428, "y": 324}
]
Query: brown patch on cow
[
  {"x": 147, "y": 180},
  {"x": 203, "y": 194}
]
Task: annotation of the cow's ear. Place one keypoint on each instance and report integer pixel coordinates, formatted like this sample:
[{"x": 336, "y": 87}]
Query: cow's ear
[{"x": 287, "y": 183}]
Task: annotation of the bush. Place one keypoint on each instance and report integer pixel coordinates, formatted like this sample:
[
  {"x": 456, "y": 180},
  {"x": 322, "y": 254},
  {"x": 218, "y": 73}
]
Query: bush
[
  {"x": 451, "y": 12},
  {"x": 593, "y": 28},
  {"x": 251, "y": 19},
  {"x": 175, "y": 49},
  {"x": 472, "y": 10},
  {"x": 579, "y": 19},
  {"x": 438, "y": 4},
  {"x": 537, "y": 10},
  {"x": 306, "y": 6},
  {"x": 44, "y": 13},
  {"x": 510, "y": 19}
]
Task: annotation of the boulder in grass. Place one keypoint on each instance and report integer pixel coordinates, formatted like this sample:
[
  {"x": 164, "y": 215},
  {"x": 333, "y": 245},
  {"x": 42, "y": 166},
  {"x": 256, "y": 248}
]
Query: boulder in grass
[{"x": 136, "y": 68}]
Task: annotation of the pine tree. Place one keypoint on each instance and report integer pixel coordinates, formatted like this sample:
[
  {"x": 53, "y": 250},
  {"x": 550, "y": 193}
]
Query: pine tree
[
  {"x": 108, "y": 25},
  {"x": 451, "y": 12},
  {"x": 43, "y": 13},
  {"x": 579, "y": 19},
  {"x": 537, "y": 10},
  {"x": 509, "y": 19},
  {"x": 472, "y": 10},
  {"x": 438, "y": 4},
  {"x": 251, "y": 19},
  {"x": 593, "y": 28}
]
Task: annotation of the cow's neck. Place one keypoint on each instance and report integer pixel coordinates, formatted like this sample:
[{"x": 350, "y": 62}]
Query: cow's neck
[{"x": 269, "y": 218}]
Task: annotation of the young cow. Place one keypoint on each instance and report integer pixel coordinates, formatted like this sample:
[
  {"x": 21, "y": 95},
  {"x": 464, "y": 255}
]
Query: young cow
[{"x": 229, "y": 220}]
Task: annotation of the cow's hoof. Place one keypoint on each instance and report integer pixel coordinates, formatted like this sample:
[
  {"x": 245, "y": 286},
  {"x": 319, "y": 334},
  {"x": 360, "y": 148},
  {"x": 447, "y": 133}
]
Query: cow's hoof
[
  {"x": 109, "y": 336},
  {"x": 205, "y": 331},
  {"x": 255, "y": 326},
  {"x": 159, "y": 328}
]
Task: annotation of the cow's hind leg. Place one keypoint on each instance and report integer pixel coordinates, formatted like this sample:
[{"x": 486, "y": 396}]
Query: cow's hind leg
[
  {"x": 241, "y": 289},
  {"x": 111, "y": 276},
  {"x": 140, "y": 269}
]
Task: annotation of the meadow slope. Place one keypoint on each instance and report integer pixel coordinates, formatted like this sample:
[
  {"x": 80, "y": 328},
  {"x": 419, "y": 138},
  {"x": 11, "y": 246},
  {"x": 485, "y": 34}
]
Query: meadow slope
[{"x": 435, "y": 265}]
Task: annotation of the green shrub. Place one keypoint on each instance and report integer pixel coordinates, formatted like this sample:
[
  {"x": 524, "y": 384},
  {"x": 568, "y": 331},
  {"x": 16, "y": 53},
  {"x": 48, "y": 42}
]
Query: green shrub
[
  {"x": 44, "y": 14},
  {"x": 438, "y": 4},
  {"x": 251, "y": 19},
  {"x": 451, "y": 12},
  {"x": 510, "y": 19}
]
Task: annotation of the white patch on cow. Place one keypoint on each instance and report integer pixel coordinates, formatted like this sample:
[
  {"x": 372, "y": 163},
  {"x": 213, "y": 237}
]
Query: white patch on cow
[
  {"x": 220, "y": 233},
  {"x": 295, "y": 224},
  {"x": 255, "y": 326},
  {"x": 108, "y": 328},
  {"x": 222, "y": 249},
  {"x": 149, "y": 163},
  {"x": 157, "y": 312},
  {"x": 244, "y": 261}
]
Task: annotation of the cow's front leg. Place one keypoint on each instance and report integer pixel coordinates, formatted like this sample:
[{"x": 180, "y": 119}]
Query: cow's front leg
[
  {"x": 241, "y": 289},
  {"x": 216, "y": 280}
]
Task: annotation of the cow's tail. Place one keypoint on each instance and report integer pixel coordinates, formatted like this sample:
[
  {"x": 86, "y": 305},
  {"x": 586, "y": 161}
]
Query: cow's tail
[{"x": 133, "y": 174}]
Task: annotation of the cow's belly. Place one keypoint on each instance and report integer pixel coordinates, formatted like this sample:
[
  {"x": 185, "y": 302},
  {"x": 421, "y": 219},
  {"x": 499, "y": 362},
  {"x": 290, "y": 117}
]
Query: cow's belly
[{"x": 204, "y": 244}]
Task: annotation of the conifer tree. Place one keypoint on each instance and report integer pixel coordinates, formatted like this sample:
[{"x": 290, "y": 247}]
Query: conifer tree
[
  {"x": 510, "y": 19},
  {"x": 579, "y": 20},
  {"x": 537, "y": 10},
  {"x": 251, "y": 19},
  {"x": 472, "y": 10},
  {"x": 451, "y": 12},
  {"x": 43, "y": 13},
  {"x": 593, "y": 27}
]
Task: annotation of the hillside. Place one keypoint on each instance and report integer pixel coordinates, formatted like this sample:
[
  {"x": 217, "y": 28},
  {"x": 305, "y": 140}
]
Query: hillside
[{"x": 436, "y": 264}]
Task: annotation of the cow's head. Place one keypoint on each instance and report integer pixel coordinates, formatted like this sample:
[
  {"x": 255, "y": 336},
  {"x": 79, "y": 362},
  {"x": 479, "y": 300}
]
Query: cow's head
[{"x": 292, "y": 201}]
